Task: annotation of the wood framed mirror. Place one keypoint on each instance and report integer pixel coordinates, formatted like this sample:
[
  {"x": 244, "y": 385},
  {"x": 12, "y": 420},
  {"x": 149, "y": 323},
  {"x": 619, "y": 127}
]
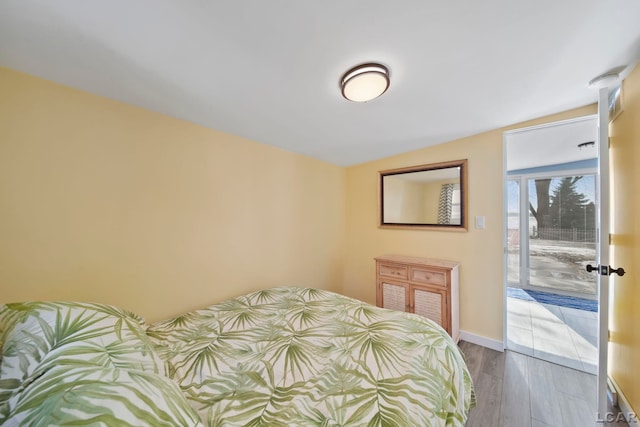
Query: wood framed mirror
[{"x": 432, "y": 197}]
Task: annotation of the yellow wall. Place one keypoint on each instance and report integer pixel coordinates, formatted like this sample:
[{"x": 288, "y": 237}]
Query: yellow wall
[
  {"x": 106, "y": 202},
  {"x": 402, "y": 200},
  {"x": 479, "y": 252},
  {"x": 624, "y": 354}
]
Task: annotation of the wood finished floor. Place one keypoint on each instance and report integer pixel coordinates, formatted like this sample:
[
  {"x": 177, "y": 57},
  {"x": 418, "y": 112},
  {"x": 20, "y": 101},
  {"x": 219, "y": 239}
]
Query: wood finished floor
[{"x": 514, "y": 390}]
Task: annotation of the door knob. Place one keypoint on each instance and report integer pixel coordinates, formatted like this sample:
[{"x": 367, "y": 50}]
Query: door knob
[
  {"x": 619, "y": 271},
  {"x": 605, "y": 270}
]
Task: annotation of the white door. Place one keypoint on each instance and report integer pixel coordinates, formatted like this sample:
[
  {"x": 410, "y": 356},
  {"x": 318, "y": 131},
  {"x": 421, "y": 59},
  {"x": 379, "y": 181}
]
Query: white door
[{"x": 603, "y": 269}]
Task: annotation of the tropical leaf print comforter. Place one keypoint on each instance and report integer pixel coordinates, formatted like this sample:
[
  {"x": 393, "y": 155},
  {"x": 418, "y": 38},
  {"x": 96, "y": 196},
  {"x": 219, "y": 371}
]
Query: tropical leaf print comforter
[
  {"x": 307, "y": 357},
  {"x": 83, "y": 364}
]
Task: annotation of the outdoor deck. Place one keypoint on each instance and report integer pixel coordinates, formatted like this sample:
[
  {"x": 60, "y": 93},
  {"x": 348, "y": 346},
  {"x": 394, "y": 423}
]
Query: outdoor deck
[{"x": 558, "y": 266}]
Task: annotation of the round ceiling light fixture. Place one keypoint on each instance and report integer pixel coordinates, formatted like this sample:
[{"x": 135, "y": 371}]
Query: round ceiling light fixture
[
  {"x": 365, "y": 82},
  {"x": 604, "y": 80}
]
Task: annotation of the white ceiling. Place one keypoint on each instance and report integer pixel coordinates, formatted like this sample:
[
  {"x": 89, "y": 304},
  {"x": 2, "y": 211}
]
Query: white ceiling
[{"x": 269, "y": 70}]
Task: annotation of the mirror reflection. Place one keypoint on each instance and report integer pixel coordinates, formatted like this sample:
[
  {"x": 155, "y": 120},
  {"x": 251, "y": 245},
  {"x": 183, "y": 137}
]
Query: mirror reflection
[{"x": 427, "y": 196}]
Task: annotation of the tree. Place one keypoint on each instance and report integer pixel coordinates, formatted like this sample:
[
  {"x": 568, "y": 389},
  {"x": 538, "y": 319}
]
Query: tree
[
  {"x": 564, "y": 208},
  {"x": 541, "y": 213},
  {"x": 568, "y": 208}
]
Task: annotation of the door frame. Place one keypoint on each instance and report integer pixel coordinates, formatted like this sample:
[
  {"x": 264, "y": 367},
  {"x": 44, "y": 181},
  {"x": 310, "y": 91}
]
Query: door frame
[
  {"x": 505, "y": 201},
  {"x": 602, "y": 243}
]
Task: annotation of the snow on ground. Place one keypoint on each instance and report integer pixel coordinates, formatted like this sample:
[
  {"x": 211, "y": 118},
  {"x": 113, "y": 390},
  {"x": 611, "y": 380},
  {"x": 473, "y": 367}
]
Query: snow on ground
[{"x": 560, "y": 265}]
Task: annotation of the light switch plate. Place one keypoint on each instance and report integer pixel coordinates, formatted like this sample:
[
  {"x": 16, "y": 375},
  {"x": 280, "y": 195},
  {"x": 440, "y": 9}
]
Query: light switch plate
[{"x": 480, "y": 221}]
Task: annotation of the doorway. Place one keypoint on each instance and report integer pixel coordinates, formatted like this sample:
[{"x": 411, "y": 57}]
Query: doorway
[{"x": 551, "y": 201}]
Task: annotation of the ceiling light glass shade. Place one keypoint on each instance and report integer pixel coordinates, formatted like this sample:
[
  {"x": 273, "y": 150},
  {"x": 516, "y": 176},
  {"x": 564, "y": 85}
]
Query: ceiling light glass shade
[{"x": 365, "y": 82}]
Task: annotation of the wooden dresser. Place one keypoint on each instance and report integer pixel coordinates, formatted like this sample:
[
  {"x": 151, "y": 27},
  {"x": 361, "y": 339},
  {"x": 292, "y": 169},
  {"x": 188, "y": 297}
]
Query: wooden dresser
[{"x": 424, "y": 286}]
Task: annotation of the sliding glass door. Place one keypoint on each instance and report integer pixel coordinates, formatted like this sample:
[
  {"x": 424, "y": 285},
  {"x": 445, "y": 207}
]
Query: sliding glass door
[
  {"x": 551, "y": 233},
  {"x": 513, "y": 232}
]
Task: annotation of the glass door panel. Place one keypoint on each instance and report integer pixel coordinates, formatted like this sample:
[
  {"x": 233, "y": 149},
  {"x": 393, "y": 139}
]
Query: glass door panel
[
  {"x": 562, "y": 234},
  {"x": 513, "y": 232}
]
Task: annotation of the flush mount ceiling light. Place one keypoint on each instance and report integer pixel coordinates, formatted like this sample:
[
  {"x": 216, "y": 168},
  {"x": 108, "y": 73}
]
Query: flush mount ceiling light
[{"x": 365, "y": 82}]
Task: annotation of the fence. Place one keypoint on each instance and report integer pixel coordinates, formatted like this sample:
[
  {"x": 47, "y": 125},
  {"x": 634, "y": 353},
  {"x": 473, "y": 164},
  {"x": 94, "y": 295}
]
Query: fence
[{"x": 565, "y": 234}]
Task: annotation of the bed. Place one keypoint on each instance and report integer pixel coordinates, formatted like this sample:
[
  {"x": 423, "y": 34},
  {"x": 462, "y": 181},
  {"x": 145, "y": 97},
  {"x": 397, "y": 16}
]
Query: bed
[{"x": 277, "y": 357}]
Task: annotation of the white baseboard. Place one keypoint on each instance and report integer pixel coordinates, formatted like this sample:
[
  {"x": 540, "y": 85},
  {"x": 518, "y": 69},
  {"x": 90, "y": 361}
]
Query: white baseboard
[
  {"x": 625, "y": 406},
  {"x": 483, "y": 341}
]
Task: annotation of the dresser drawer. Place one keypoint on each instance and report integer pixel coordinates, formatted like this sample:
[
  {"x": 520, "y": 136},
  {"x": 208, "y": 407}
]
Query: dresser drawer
[
  {"x": 392, "y": 270},
  {"x": 431, "y": 277}
]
